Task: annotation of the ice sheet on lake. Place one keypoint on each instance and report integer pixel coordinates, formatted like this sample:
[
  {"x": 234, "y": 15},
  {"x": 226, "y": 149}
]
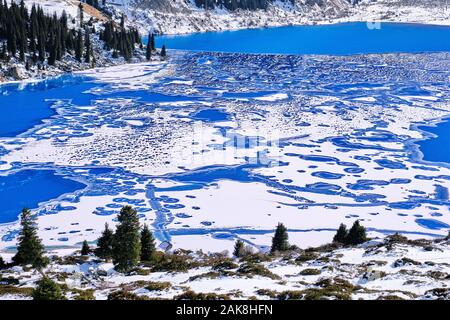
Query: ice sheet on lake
[{"x": 228, "y": 149}]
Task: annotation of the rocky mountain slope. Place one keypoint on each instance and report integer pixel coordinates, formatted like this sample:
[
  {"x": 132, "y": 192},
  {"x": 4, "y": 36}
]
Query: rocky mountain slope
[{"x": 185, "y": 16}]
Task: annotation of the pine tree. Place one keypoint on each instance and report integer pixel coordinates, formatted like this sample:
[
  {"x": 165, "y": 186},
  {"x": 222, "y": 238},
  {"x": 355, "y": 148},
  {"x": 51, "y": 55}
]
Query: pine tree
[
  {"x": 122, "y": 22},
  {"x": 30, "y": 249},
  {"x": 81, "y": 13},
  {"x": 85, "y": 248},
  {"x": 148, "y": 247},
  {"x": 341, "y": 234},
  {"x": 148, "y": 53},
  {"x": 239, "y": 249},
  {"x": 152, "y": 42},
  {"x": 163, "y": 51},
  {"x": 88, "y": 48},
  {"x": 64, "y": 32},
  {"x": 3, "y": 54},
  {"x": 2, "y": 263},
  {"x": 105, "y": 243},
  {"x": 356, "y": 234},
  {"x": 53, "y": 53},
  {"x": 127, "y": 244},
  {"x": 47, "y": 289},
  {"x": 280, "y": 239},
  {"x": 79, "y": 46}
]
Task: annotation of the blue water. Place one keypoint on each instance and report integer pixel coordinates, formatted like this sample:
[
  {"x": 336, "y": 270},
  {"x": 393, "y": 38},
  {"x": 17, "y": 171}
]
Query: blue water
[
  {"x": 336, "y": 39},
  {"x": 24, "y": 107},
  {"x": 27, "y": 188},
  {"x": 210, "y": 115},
  {"x": 436, "y": 149}
]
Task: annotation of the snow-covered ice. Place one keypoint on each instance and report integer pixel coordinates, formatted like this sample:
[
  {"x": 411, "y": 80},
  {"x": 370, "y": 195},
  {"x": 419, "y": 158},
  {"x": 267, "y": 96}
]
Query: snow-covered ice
[{"x": 207, "y": 160}]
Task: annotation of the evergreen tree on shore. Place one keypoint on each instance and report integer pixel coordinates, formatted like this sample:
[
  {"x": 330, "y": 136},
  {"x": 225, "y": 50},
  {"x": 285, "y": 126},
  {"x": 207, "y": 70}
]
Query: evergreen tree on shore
[
  {"x": 356, "y": 234},
  {"x": 2, "y": 263},
  {"x": 280, "y": 239},
  {"x": 85, "y": 250},
  {"x": 87, "y": 46},
  {"x": 163, "y": 51},
  {"x": 148, "y": 51},
  {"x": 151, "y": 40},
  {"x": 79, "y": 46},
  {"x": 341, "y": 234},
  {"x": 105, "y": 244},
  {"x": 30, "y": 249},
  {"x": 127, "y": 243},
  {"x": 239, "y": 249},
  {"x": 148, "y": 247}
]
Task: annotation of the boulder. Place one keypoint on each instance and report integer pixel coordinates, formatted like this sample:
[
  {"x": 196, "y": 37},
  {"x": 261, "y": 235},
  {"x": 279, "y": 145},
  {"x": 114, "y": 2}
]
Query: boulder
[{"x": 17, "y": 73}]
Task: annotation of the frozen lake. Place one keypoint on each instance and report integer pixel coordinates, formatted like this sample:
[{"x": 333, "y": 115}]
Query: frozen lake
[{"x": 210, "y": 147}]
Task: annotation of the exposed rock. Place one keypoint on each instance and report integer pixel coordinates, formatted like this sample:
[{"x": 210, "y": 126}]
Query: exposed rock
[{"x": 16, "y": 72}]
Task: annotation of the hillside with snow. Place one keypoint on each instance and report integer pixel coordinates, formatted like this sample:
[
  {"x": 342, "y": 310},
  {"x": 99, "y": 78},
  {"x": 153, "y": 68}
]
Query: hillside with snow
[
  {"x": 392, "y": 269},
  {"x": 184, "y": 16}
]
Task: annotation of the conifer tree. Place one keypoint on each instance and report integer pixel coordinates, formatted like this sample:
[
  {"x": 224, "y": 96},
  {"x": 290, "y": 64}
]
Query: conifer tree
[
  {"x": 47, "y": 289},
  {"x": 127, "y": 244},
  {"x": 85, "y": 248},
  {"x": 148, "y": 53},
  {"x": 341, "y": 234},
  {"x": 163, "y": 51},
  {"x": 280, "y": 239},
  {"x": 356, "y": 234},
  {"x": 88, "y": 48},
  {"x": 2, "y": 263},
  {"x": 3, "y": 54},
  {"x": 30, "y": 249},
  {"x": 148, "y": 247},
  {"x": 81, "y": 13},
  {"x": 105, "y": 244},
  {"x": 53, "y": 53},
  {"x": 122, "y": 22},
  {"x": 64, "y": 32},
  {"x": 79, "y": 46},
  {"x": 152, "y": 42},
  {"x": 239, "y": 249}
]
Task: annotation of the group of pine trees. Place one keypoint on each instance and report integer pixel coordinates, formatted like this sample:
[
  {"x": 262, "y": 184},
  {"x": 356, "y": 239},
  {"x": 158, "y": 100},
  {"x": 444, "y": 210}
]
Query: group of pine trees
[
  {"x": 129, "y": 245},
  {"x": 34, "y": 37},
  {"x": 34, "y": 34},
  {"x": 356, "y": 235},
  {"x": 120, "y": 39},
  {"x": 126, "y": 247}
]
